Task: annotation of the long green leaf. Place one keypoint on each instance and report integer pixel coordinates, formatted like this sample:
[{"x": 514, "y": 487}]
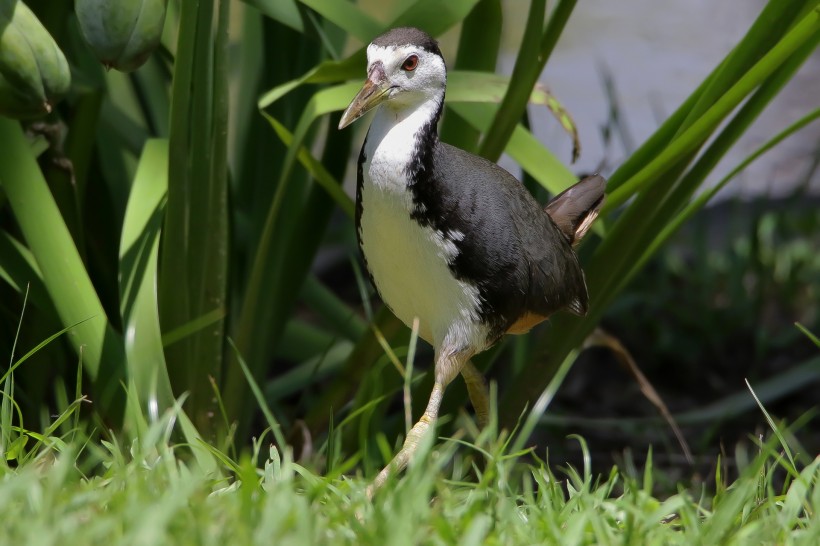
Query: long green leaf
[
  {"x": 698, "y": 203},
  {"x": 478, "y": 46},
  {"x": 538, "y": 161},
  {"x": 808, "y": 334},
  {"x": 19, "y": 362},
  {"x": 681, "y": 118},
  {"x": 772, "y": 23},
  {"x": 527, "y": 69},
  {"x": 193, "y": 280},
  {"x": 64, "y": 273},
  {"x": 806, "y": 31},
  {"x": 286, "y": 249},
  {"x": 139, "y": 245},
  {"x": 655, "y": 207}
]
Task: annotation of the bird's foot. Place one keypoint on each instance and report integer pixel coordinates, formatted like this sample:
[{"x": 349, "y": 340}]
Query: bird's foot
[{"x": 402, "y": 458}]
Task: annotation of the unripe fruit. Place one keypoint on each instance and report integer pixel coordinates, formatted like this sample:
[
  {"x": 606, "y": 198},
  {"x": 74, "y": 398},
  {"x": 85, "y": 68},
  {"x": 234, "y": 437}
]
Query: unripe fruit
[
  {"x": 122, "y": 33},
  {"x": 34, "y": 73}
]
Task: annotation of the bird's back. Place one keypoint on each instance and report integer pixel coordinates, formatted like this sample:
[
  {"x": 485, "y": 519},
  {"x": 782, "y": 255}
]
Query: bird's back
[{"x": 522, "y": 264}]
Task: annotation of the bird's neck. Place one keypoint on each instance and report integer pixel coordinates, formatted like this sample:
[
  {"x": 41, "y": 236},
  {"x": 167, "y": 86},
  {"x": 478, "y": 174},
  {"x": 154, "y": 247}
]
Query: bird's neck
[{"x": 402, "y": 138}]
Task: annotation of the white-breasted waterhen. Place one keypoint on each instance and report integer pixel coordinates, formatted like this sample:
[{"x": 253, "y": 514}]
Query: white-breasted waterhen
[{"x": 449, "y": 237}]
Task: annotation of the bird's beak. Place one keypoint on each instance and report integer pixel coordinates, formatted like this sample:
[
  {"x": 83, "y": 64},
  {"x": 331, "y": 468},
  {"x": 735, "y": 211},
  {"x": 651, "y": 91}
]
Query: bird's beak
[{"x": 373, "y": 93}]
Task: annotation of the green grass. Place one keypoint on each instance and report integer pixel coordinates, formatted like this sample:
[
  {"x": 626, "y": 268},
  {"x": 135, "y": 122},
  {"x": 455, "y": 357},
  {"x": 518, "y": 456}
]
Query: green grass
[
  {"x": 158, "y": 260},
  {"x": 153, "y": 491}
]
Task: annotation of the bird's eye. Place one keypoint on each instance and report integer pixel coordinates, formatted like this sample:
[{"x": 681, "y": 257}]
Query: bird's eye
[{"x": 410, "y": 63}]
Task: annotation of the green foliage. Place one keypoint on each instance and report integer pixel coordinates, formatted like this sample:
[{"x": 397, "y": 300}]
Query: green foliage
[{"x": 663, "y": 174}]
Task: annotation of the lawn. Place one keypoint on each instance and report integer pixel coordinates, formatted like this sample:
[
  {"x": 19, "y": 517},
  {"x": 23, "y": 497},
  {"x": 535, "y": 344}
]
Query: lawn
[{"x": 153, "y": 491}]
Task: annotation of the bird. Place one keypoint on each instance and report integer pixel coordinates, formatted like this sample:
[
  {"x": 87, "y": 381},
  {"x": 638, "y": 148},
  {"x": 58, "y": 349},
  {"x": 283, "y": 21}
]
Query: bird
[{"x": 448, "y": 238}]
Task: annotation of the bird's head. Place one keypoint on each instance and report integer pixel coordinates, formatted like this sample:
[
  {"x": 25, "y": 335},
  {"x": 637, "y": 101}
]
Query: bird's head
[{"x": 404, "y": 69}]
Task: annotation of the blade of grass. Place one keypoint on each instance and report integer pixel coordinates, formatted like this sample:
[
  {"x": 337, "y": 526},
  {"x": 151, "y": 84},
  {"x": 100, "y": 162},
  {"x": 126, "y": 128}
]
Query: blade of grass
[
  {"x": 543, "y": 402},
  {"x": 408, "y": 375},
  {"x": 366, "y": 351},
  {"x": 808, "y": 334},
  {"x": 37, "y": 347},
  {"x": 315, "y": 168},
  {"x": 772, "y": 425},
  {"x": 273, "y": 423}
]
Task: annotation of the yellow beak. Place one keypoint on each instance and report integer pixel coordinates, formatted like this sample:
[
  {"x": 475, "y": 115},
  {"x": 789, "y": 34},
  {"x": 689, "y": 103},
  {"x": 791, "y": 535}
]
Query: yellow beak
[{"x": 373, "y": 93}]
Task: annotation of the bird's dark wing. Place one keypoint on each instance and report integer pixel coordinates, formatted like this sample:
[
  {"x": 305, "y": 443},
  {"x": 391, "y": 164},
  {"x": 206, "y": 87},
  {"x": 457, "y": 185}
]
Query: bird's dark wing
[{"x": 508, "y": 246}]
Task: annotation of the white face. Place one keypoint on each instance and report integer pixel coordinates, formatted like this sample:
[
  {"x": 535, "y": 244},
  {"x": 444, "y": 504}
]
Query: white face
[{"x": 414, "y": 74}]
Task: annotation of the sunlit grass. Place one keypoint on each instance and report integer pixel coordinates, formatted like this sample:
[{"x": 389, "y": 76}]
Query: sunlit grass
[{"x": 89, "y": 490}]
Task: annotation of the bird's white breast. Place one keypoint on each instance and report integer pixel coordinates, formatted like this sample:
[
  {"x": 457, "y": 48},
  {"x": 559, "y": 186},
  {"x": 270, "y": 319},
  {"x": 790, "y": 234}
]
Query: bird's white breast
[{"x": 410, "y": 262}]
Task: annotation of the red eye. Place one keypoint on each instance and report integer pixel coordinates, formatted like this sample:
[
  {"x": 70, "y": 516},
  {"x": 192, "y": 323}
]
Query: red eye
[{"x": 410, "y": 63}]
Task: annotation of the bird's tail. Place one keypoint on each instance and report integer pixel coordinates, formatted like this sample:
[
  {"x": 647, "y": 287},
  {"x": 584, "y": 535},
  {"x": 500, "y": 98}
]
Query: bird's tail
[{"x": 574, "y": 209}]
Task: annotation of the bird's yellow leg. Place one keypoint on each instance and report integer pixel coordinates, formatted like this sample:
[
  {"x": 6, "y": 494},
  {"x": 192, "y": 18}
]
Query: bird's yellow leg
[
  {"x": 477, "y": 389},
  {"x": 448, "y": 366},
  {"x": 411, "y": 443}
]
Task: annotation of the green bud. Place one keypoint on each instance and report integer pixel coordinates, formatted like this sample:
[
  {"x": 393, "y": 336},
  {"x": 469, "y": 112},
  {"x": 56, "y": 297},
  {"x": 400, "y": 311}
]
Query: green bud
[
  {"x": 122, "y": 33},
  {"x": 34, "y": 73}
]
